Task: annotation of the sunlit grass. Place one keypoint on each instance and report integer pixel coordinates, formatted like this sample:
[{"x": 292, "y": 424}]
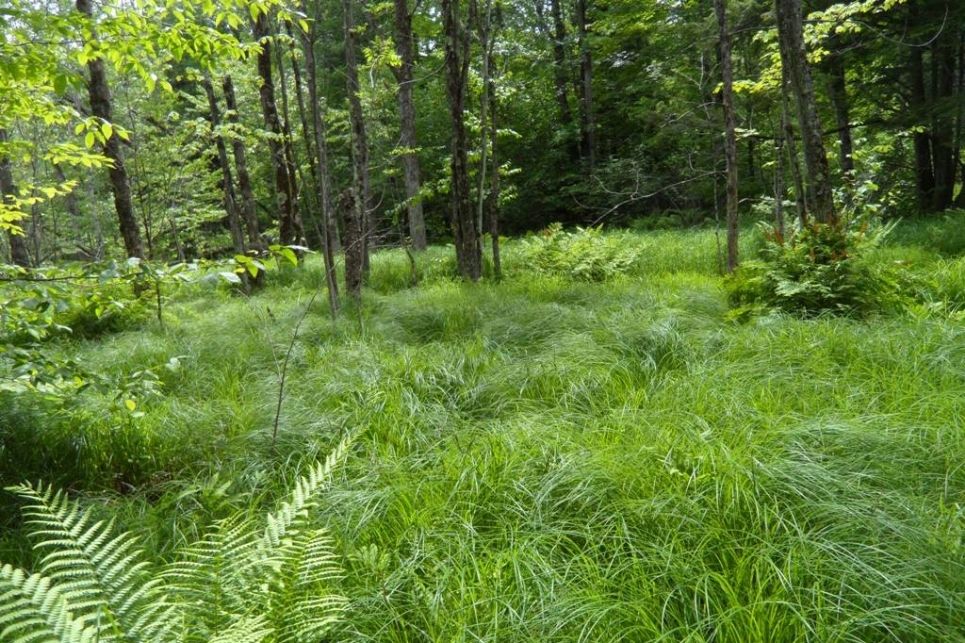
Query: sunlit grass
[{"x": 548, "y": 460}]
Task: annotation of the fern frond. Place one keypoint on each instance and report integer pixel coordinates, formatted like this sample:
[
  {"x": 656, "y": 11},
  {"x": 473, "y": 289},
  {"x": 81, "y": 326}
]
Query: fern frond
[
  {"x": 101, "y": 575},
  {"x": 33, "y": 610},
  {"x": 249, "y": 629},
  {"x": 302, "y": 496},
  {"x": 208, "y": 577},
  {"x": 303, "y": 606}
]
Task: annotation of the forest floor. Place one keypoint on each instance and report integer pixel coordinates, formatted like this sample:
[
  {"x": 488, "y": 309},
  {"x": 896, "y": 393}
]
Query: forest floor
[{"x": 549, "y": 460}]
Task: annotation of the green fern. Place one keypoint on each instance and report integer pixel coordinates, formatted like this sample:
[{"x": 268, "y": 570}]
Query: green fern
[
  {"x": 102, "y": 576},
  {"x": 241, "y": 583},
  {"x": 33, "y": 609}
]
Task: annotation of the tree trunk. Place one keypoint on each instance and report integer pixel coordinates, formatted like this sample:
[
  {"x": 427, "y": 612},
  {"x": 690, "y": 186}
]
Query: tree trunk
[
  {"x": 943, "y": 125},
  {"x": 587, "y": 133},
  {"x": 360, "y": 143},
  {"x": 560, "y": 72},
  {"x": 294, "y": 168},
  {"x": 353, "y": 238},
  {"x": 779, "y": 224},
  {"x": 838, "y": 92},
  {"x": 227, "y": 182},
  {"x": 100, "y": 106},
  {"x": 494, "y": 188},
  {"x": 787, "y": 131},
  {"x": 468, "y": 247},
  {"x": 284, "y": 175},
  {"x": 486, "y": 40},
  {"x": 924, "y": 174},
  {"x": 793, "y": 58},
  {"x": 8, "y": 192},
  {"x": 248, "y": 208},
  {"x": 960, "y": 119},
  {"x": 405, "y": 49},
  {"x": 324, "y": 174},
  {"x": 730, "y": 133}
]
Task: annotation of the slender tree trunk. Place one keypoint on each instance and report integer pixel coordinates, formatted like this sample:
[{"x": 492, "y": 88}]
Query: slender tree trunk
[
  {"x": 838, "y": 92},
  {"x": 468, "y": 248},
  {"x": 960, "y": 119},
  {"x": 284, "y": 174},
  {"x": 353, "y": 238},
  {"x": 100, "y": 106},
  {"x": 730, "y": 133},
  {"x": 248, "y": 208},
  {"x": 943, "y": 125},
  {"x": 779, "y": 224},
  {"x": 8, "y": 192},
  {"x": 324, "y": 175},
  {"x": 924, "y": 175},
  {"x": 294, "y": 169},
  {"x": 486, "y": 40},
  {"x": 227, "y": 182},
  {"x": 302, "y": 111},
  {"x": 405, "y": 49},
  {"x": 787, "y": 131},
  {"x": 560, "y": 72},
  {"x": 494, "y": 187},
  {"x": 793, "y": 58},
  {"x": 587, "y": 125},
  {"x": 360, "y": 143}
]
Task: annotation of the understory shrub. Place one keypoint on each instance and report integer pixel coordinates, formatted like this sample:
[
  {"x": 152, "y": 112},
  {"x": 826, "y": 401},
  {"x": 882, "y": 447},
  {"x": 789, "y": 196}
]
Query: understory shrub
[
  {"x": 586, "y": 254},
  {"x": 820, "y": 269}
]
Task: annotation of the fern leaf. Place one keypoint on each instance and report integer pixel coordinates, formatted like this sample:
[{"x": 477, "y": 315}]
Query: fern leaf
[
  {"x": 302, "y": 496},
  {"x": 101, "y": 575},
  {"x": 244, "y": 630},
  {"x": 32, "y": 609}
]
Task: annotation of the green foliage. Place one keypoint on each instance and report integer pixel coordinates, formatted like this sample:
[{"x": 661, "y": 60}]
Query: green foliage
[
  {"x": 546, "y": 458},
  {"x": 93, "y": 584},
  {"x": 821, "y": 269},
  {"x": 586, "y": 254}
]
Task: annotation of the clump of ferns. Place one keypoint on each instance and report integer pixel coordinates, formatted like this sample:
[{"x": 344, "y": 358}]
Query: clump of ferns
[{"x": 247, "y": 581}]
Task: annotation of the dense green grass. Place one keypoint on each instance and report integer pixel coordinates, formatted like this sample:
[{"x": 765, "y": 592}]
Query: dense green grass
[{"x": 548, "y": 460}]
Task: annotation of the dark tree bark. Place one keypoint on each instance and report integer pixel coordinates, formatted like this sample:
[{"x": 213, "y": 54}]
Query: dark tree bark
[
  {"x": 559, "y": 64},
  {"x": 8, "y": 192},
  {"x": 587, "y": 125},
  {"x": 487, "y": 41},
  {"x": 405, "y": 49},
  {"x": 324, "y": 183},
  {"x": 924, "y": 175},
  {"x": 100, "y": 106},
  {"x": 288, "y": 220},
  {"x": 960, "y": 119},
  {"x": 793, "y": 58},
  {"x": 468, "y": 247},
  {"x": 779, "y": 224},
  {"x": 248, "y": 208},
  {"x": 730, "y": 133},
  {"x": 838, "y": 92},
  {"x": 295, "y": 174},
  {"x": 787, "y": 130},
  {"x": 943, "y": 122},
  {"x": 227, "y": 181},
  {"x": 302, "y": 111},
  {"x": 494, "y": 187},
  {"x": 360, "y": 143},
  {"x": 353, "y": 238}
]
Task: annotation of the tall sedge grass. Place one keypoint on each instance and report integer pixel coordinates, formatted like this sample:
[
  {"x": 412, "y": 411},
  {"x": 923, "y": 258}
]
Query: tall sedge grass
[{"x": 549, "y": 460}]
